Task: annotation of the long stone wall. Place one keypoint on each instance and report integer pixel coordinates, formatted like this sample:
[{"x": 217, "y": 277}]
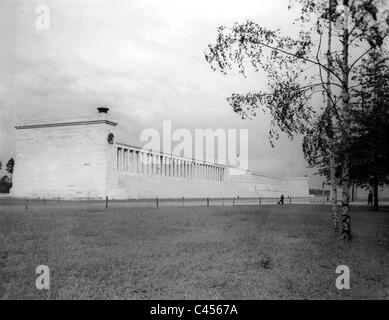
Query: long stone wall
[{"x": 80, "y": 158}]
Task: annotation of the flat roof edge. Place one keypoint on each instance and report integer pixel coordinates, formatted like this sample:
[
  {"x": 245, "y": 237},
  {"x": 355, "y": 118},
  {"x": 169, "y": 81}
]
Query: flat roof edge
[{"x": 63, "y": 124}]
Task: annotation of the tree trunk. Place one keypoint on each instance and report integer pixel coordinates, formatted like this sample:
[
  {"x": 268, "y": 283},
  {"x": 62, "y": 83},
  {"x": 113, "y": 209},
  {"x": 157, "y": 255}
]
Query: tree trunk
[
  {"x": 346, "y": 219},
  {"x": 334, "y": 200},
  {"x": 375, "y": 192}
]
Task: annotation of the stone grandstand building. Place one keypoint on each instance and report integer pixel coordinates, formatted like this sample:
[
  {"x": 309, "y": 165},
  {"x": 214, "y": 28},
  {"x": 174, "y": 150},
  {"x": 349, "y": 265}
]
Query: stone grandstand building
[{"x": 80, "y": 158}]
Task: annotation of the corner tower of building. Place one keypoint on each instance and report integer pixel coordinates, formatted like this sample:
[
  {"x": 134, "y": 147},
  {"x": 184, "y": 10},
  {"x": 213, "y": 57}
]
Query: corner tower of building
[{"x": 71, "y": 158}]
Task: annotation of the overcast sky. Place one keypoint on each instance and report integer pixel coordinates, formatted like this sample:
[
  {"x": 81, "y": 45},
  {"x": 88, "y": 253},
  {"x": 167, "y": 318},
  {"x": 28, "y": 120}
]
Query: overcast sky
[{"x": 143, "y": 59}]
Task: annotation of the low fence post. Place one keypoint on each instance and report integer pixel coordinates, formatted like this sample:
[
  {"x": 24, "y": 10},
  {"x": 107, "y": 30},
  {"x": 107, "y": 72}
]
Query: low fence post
[
  {"x": 26, "y": 204},
  {"x": 156, "y": 201},
  {"x": 223, "y": 201},
  {"x": 233, "y": 202},
  {"x": 106, "y": 202},
  {"x": 260, "y": 201},
  {"x": 207, "y": 202},
  {"x": 44, "y": 200}
]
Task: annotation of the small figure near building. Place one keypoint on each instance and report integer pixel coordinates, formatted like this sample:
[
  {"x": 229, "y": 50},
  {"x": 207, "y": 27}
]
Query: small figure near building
[
  {"x": 281, "y": 201},
  {"x": 370, "y": 199}
]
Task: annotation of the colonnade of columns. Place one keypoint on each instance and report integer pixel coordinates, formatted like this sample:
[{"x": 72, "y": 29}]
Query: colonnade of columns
[{"x": 140, "y": 161}]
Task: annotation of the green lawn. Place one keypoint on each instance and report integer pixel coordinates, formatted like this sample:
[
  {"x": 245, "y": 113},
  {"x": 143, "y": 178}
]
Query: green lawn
[{"x": 190, "y": 253}]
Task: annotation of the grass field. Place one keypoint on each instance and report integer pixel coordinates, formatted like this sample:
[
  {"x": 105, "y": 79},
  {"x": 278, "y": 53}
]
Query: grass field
[{"x": 190, "y": 253}]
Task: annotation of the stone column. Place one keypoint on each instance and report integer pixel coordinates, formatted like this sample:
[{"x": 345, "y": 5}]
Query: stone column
[
  {"x": 117, "y": 159},
  {"x": 134, "y": 167},
  {"x": 129, "y": 161},
  {"x": 144, "y": 163},
  {"x": 140, "y": 162},
  {"x": 161, "y": 167},
  {"x": 169, "y": 167},
  {"x": 125, "y": 160},
  {"x": 121, "y": 160},
  {"x": 153, "y": 164},
  {"x": 149, "y": 164},
  {"x": 156, "y": 164},
  {"x": 133, "y": 161},
  {"x": 136, "y": 164}
]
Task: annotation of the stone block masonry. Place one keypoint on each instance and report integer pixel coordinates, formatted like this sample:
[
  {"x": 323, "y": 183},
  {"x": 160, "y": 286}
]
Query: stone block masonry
[{"x": 65, "y": 158}]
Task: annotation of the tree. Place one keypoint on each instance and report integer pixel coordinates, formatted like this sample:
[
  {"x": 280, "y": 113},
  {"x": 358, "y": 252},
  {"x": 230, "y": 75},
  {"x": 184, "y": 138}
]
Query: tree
[
  {"x": 370, "y": 118},
  {"x": 5, "y": 184},
  {"x": 290, "y": 87},
  {"x": 10, "y": 166}
]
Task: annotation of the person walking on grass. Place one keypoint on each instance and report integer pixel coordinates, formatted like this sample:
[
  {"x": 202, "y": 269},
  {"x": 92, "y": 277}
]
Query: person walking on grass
[
  {"x": 370, "y": 199},
  {"x": 281, "y": 199}
]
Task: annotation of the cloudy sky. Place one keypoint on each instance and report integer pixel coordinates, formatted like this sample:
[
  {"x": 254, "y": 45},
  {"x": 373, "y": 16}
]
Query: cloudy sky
[{"x": 143, "y": 59}]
